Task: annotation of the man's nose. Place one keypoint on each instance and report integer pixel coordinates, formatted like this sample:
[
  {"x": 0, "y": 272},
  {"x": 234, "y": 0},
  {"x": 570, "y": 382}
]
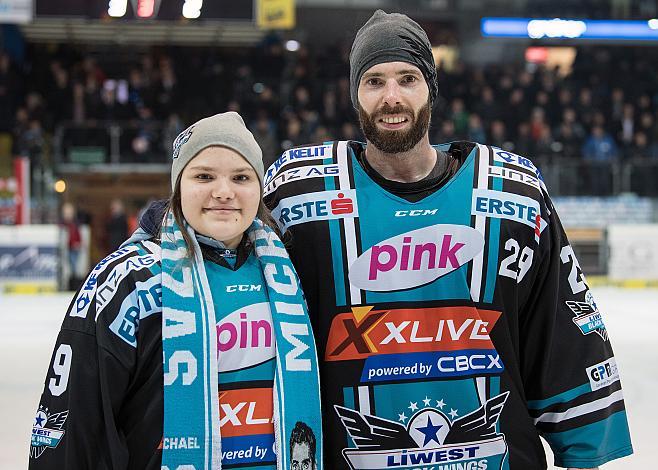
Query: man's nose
[{"x": 392, "y": 92}]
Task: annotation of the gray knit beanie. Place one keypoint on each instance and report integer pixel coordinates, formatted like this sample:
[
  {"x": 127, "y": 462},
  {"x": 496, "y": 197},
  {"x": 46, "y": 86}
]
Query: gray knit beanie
[
  {"x": 391, "y": 38},
  {"x": 224, "y": 130}
]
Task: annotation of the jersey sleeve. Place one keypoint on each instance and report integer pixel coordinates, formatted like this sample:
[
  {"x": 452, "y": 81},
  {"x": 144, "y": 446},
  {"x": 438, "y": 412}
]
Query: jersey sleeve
[
  {"x": 74, "y": 426},
  {"x": 77, "y": 422},
  {"x": 570, "y": 375}
]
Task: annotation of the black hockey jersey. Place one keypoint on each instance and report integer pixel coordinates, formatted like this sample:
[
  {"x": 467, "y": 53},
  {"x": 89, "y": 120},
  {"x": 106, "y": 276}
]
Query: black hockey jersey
[
  {"x": 454, "y": 330},
  {"x": 102, "y": 404}
]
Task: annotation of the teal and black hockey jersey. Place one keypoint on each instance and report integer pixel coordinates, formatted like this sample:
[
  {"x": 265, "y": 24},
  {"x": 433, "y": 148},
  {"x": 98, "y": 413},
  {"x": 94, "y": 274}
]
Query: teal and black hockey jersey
[
  {"x": 102, "y": 405},
  {"x": 452, "y": 331}
]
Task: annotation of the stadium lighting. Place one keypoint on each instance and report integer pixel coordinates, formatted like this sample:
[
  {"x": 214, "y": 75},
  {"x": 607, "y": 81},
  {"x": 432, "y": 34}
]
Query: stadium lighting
[
  {"x": 117, "y": 8},
  {"x": 292, "y": 45},
  {"x": 556, "y": 28},
  {"x": 192, "y": 9},
  {"x": 60, "y": 186},
  {"x": 571, "y": 29}
]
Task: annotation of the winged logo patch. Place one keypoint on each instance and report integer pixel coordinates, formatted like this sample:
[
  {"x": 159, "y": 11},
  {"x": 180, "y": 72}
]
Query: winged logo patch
[
  {"x": 430, "y": 435},
  {"x": 587, "y": 316},
  {"x": 46, "y": 431}
]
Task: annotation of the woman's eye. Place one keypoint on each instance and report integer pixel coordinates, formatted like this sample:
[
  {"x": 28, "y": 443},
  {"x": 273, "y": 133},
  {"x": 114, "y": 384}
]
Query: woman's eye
[
  {"x": 241, "y": 178},
  {"x": 203, "y": 176}
]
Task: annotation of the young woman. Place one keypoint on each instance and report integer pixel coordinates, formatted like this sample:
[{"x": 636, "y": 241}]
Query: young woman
[{"x": 191, "y": 350}]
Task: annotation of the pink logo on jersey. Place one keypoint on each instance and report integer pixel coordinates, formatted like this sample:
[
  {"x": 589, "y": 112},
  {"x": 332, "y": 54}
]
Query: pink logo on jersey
[
  {"x": 415, "y": 258},
  {"x": 245, "y": 338}
]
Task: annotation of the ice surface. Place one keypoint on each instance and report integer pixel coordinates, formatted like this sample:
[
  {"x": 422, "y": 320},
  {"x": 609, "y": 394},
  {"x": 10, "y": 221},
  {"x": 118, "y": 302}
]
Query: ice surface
[{"x": 29, "y": 326}]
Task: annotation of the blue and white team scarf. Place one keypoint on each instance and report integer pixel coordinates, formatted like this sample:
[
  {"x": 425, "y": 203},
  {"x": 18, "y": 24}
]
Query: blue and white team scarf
[{"x": 192, "y": 439}]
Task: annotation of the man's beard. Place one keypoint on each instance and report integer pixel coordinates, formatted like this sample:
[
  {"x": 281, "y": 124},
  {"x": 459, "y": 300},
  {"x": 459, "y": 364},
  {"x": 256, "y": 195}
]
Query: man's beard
[{"x": 395, "y": 141}]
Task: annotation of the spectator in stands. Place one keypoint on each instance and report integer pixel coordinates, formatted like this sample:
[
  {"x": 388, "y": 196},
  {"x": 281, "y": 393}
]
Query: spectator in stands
[
  {"x": 571, "y": 143},
  {"x": 459, "y": 117},
  {"x": 60, "y": 95},
  {"x": 616, "y": 104},
  {"x": 349, "y": 131},
  {"x": 544, "y": 145},
  {"x": 329, "y": 108},
  {"x": 543, "y": 101},
  {"x": 644, "y": 104},
  {"x": 584, "y": 108},
  {"x": 647, "y": 123},
  {"x": 321, "y": 134},
  {"x": 79, "y": 109},
  {"x": 36, "y": 108},
  {"x": 173, "y": 127},
  {"x": 21, "y": 122},
  {"x": 537, "y": 122},
  {"x": 640, "y": 147},
  {"x": 267, "y": 102},
  {"x": 264, "y": 133},
  {"x": 625, "y": 127},
  {"x": 136, "y": 91},
  {"x": 30, "y": 142},
  {"x": 301, "y": 99},
  {"x": 498, "y": 135},
  {"x": 446, "y": 132},
  {"x": 569, "y": 119},
  {"x": 523, "y": 143},
  {"x": 111, "y": 108},
  {"x": 92, "y": 99},
  {"x": 166, "y": 89},
  {"x": 74, "y": 244},
  {"x": 143, "y": 144},
  {"x": 487, "y": 108},
  {"x": 515, "y": 109},
  {"x": 116, "y": 228},
  {"x": 475, "y": 129},
  {"x": 565, "y": 98},
  {"x": 600, "y": 147},
  {"x": 294, "y": 134}
]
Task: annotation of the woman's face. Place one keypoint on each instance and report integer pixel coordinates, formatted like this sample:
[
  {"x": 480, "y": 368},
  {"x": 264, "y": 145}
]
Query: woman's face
[{"x": 220, "y": 194}]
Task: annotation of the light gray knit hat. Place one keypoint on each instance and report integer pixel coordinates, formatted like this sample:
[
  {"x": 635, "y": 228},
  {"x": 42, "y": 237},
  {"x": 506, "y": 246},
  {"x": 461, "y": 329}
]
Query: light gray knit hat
[{"x": 224, "y": 130}]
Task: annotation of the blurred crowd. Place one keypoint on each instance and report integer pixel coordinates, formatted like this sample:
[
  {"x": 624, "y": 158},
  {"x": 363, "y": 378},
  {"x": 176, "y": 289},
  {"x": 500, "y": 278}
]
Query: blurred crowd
[{"x": 604, "y": 109}]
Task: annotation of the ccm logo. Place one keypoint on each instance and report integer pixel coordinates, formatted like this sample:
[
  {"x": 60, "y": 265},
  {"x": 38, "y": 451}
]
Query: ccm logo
[
  {"x": 244, "y": 288},
  {"x": 422, "y": 255},
  {"x": 416, "y": 212}
]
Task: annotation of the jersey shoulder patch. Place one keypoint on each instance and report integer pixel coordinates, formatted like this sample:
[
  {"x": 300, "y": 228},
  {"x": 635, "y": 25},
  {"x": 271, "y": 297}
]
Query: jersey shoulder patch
[
  {"x": 102, "y": 283},
  {"x": 517, "y": 168},
  {"x": 300, "y": 163}
]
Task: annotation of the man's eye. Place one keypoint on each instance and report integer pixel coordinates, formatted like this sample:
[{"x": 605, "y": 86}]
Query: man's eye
[
  {"x": 409, "y": 79},
  {"x": 373, "y": 81}
]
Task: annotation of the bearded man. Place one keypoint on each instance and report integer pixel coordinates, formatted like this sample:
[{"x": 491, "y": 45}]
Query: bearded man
[{"x": 452, "y": 318}]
